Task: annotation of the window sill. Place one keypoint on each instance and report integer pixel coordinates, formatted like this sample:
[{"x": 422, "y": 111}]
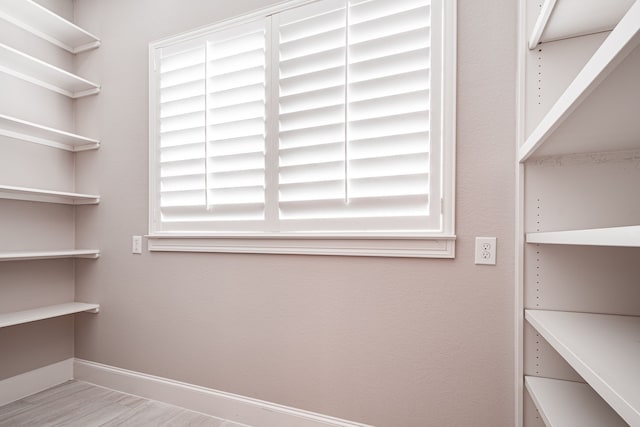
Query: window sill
[{"x": 382, "y": 246}]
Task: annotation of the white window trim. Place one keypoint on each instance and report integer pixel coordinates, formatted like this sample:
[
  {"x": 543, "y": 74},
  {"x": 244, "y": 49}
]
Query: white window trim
[{"x": 415, "y": 245}]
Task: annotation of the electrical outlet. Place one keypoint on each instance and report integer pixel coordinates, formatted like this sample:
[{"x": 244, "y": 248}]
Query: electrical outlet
[
  {"x": 486, "y": 250},
  {"x": 136, "y": 244}
]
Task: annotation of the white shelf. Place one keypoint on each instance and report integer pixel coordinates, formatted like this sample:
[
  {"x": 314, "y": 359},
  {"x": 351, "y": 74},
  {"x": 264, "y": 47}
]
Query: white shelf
[
  {"x": 32, "y": 132},
  {"x": 562, "y": 19},
  {"x": 48, "y": 312},
  {"x": 47, "y": 196},
  {"x": 570, "y": 404},
  {"x": 43, "y": 23},
  {"x": 603, "y": 349},
  {"x": 614, "y": 236},
  {"x": 33, "y": 70},
  {"x": 585, "y": 119},
  {"x": 35, "y": 255}
]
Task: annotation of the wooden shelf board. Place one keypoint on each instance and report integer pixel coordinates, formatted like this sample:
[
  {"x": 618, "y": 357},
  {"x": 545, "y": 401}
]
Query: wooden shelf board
[
  {"x": 35, "y": 255},
  {"x": 603, "y": 349},
  {"x": 47, "y": 25},
  {"x": 583, "y": 119},
  {"x": 47, "y": 196},
  {"x": 570, "y": 404},
  {"x": 21, "y": 129},
  {"x": 48, "y": 312},
  {"x": 562, "y": 19},
  {"x": 33, "y": 70},
  {"x": 614, "y": 236}
]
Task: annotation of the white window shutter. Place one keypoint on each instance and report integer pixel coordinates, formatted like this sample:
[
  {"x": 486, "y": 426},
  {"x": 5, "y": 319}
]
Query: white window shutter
[
  {"x": 311, "y": 103},
  {"x": 354, "y": 141},
  {"x": 324, "y": 118},
  {"x": 182, "y": 130},
  {"x": 236, "y": 123},
  {"x": 389, "y": 110},
  {"x": 212, "y": 131}
]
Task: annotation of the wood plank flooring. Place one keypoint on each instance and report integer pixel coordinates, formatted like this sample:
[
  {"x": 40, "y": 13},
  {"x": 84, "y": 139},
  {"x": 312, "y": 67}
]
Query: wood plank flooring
[{"x": 79, "y": 404}]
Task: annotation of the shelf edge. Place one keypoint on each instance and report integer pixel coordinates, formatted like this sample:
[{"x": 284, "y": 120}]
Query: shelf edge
[
  {"x": 541, "y": 23},
  {"x": 41, "y": 255},
  {"x": 615, "y": 236},
  {"x": 47, "y": 312},
  {"x": 86, "y": 47},
  {"x": 88, "y": 92},
  {"x": 47, "y": 196}
]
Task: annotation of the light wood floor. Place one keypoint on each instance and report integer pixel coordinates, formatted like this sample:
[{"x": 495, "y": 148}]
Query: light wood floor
[{"x": 76, "y": 403}]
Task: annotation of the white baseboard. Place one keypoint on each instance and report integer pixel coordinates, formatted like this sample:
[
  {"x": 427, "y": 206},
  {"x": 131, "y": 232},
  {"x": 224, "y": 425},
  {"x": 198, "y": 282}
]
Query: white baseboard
[
  {"x": 239, "y": 409},
  {"x": 32, "y": 382}
]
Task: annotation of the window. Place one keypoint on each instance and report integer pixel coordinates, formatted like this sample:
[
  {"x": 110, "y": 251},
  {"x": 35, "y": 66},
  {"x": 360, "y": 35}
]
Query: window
[{"x": 318, "y": 127}]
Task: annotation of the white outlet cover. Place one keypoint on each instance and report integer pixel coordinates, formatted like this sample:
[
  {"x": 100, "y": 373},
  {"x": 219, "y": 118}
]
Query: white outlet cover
[
  {"x": 486, "y": 250},
  {"x": 136, "y": 244}
]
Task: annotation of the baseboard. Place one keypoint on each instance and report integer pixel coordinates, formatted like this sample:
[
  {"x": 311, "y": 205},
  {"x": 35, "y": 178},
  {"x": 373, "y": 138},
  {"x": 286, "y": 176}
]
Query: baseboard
[
  {"x": 28, "y": 383},
  {"x": 239, "y": 409}
]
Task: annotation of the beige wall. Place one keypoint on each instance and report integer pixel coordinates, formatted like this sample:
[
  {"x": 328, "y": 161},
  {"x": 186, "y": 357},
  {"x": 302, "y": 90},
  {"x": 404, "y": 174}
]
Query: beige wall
[{"x": 390, "y": 342}]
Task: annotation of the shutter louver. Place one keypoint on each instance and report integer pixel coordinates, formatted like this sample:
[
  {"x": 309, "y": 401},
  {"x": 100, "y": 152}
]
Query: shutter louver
[
  {"x": 212, "y": 129},
  {"x": 374, "y": 57}
]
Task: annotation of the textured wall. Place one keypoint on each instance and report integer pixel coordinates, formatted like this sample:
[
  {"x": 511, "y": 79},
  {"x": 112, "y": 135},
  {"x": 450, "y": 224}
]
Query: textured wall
[{"x": 391, "y": 342}]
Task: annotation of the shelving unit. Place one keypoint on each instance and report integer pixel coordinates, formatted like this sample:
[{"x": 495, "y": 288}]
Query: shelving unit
[
  {"x": 603, "y": 349},
  {"x": 43, "y": 166},
  {"x": 21, "y": 129},
  {"x": 36, "y": 255},
  {"x": 48, "y": 312},
  {"x": 45, "y": 24},
  {"x": 570, "y": 404},
  {"x": 578, "y": 151},
  {"x": 47, "y": 196},
  {"x": 614, "y": 236},
  {"x": 563, "y": 19},
  {"x": 33, "y": 70}
]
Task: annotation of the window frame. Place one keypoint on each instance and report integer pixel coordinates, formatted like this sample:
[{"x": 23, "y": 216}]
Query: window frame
[{"x": 440, "y": 244}]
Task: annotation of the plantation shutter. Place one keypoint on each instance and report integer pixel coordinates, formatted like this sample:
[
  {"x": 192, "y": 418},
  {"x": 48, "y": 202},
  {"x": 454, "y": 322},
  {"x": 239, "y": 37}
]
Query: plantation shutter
[
  {"x": 355, "y": 147},
  {"x": 320, "y": 118},
  {"x": 212, "y": 131},
  {"x": 311, "y": 76}
]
